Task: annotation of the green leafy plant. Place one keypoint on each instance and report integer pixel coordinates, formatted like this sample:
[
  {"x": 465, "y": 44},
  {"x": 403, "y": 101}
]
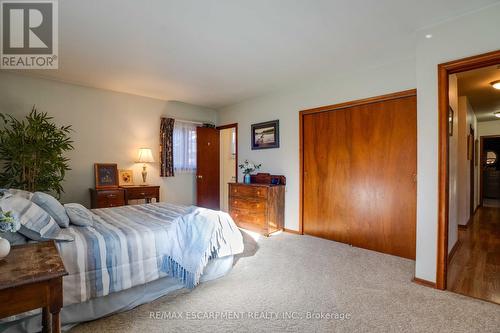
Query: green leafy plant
[{"x": 32, "y": 153}]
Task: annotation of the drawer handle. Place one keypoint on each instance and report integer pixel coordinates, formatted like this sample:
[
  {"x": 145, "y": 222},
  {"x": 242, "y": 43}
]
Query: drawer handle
[
  {"x": 143, "y": 193},
  {"x": 111, "y": 195}
]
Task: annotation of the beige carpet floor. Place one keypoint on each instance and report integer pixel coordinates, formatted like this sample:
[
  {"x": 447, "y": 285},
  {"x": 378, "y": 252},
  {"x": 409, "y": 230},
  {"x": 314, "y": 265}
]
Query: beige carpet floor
[{"x": 285, "y": 283}]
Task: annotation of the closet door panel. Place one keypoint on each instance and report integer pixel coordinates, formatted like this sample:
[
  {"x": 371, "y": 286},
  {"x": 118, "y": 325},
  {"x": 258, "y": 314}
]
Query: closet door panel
[
  {"x": 327, "y": 175},
  {"x": 359, "y": 180},
  {"x": 383, "y": 170}
]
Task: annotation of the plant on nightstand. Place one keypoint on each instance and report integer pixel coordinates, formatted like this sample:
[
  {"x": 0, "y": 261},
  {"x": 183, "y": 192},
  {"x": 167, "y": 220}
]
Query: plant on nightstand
[
  {"x": 32, "y": 153},
  {"x": 7, "y": 224}
]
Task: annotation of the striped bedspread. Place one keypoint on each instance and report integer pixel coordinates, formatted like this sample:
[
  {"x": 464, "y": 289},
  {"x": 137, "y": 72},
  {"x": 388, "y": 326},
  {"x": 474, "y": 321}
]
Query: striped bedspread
[{"x": 133, "y": 245}]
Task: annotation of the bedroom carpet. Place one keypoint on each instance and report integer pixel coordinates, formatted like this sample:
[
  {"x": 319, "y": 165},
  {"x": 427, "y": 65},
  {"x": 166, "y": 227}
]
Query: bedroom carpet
[{"x": 291, "y": 283}]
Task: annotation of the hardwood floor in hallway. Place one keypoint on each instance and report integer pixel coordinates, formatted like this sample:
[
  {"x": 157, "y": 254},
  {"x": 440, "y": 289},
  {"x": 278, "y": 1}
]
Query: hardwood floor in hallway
[{"x": 474, "y": 269}]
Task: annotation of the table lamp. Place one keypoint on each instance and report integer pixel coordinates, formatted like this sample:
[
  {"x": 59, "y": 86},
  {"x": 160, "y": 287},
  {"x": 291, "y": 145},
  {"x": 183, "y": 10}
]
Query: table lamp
[{"x": 145, "y": 156}]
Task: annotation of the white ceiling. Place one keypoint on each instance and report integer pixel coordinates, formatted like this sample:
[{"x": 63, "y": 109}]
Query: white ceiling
[
  {"x": 218, "y": 52},
  {"x": 483, "y": 98}
]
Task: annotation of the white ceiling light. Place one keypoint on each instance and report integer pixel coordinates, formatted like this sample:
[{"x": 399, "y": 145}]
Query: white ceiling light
[
  {"x": 428, "y": 36},
  {"x": 495, "y": 84},
  {"x": 497, "y": 114}
]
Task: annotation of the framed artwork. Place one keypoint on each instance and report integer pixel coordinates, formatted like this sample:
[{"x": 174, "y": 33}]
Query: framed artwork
[
  {"x": 266, "y": 135},
  {"x": 126, "y": 177},
  {"x": 451, "y": 115},
  {"x": 106, "y": 175}
]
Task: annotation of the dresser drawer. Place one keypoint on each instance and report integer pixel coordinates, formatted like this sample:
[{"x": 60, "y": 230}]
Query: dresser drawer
[
  {"x": 141, "y": 193},
  {"x": 246, "y": 218},
  {"x": 237, "y": 190},
  {"x": 110, "y": 198},
  {"x": 256, "y": 205}
]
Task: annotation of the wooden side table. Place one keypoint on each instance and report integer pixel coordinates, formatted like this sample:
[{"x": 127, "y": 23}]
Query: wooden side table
[
  {"x": 141, "y": 192},
  {"x": 31, "y": 278}
]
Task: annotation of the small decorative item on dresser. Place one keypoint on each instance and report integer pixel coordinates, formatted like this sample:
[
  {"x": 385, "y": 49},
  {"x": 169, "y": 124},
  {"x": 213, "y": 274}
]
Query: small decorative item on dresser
[
  {"x": 145, "y": 156},
  {"x": 7, "y": 224},
  {"x": 106, "y": 175},
  {"x": 247, "y": 168},
  {"x": 126, "y": 177}
]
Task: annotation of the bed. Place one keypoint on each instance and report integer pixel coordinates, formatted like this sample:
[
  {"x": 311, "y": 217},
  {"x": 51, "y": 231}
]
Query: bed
[{"x": 135, "y": 254}]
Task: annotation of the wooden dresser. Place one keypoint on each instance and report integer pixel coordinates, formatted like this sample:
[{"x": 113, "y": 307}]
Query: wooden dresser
[
  {"x": 120, "y": 196},
  {"x": 259, "y": 206},
  {"x": 141, "y": 192}
]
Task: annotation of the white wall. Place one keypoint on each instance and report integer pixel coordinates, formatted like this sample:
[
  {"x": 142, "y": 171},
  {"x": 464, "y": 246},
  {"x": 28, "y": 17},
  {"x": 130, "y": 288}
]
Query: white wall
[
  {"x": 108, "y": 127},
  {"x": 227, "y": 164},
  {"x": 468, "y": 35},
  {"x": 453, "y": 166},
  {"x": 466, "y": 119},
  {"x": 486, "y": 128}
]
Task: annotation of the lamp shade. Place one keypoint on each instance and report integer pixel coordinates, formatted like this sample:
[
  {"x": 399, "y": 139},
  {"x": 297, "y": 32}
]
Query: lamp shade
[{"x": 145, "y": 155}]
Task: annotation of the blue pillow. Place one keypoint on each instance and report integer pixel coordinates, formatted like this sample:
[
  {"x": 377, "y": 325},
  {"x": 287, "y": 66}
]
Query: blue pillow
[
  {"x": 53, "y": 207},
  {"x": 36, "y": 224},
  {"x": 79, "y": 215}
]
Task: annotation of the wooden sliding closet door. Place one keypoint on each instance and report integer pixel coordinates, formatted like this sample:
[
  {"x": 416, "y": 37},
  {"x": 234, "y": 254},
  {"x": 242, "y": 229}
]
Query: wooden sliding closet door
[{"x": 359, "y": 180}]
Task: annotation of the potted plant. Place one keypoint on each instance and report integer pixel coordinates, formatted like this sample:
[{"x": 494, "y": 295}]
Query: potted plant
[
  {"x": 32, "y": 153},
  {"x": 7, "y": 224},
  {"x": 247, "y": 168}
]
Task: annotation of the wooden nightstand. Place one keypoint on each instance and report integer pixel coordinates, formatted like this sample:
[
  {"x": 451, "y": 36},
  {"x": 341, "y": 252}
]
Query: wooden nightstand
[
  {"x": 31, "y": 278},
  {"x": 141, "y": 192},
  {"x": 107, "y": 198}
]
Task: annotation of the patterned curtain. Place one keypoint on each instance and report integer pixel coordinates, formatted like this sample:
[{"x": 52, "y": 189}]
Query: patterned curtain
[{"x": 166, "y": 147}]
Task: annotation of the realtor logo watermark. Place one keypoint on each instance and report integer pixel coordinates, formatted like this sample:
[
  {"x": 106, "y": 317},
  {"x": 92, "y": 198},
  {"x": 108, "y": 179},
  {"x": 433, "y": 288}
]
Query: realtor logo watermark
[{"x": 29, "y": 33}]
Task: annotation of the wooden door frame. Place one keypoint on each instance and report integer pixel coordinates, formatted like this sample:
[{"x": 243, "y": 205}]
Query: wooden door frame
[
  {"x": 444, "y": 70},
  {"x": 472, "y": 181},
  {"x": 235, "y": 126},
  {"x": 481, "y": 160},
  {"x": 334, "y": 107}
]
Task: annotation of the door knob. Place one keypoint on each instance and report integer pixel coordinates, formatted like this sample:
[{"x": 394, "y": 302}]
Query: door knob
[{"x": 200, "y": 177}]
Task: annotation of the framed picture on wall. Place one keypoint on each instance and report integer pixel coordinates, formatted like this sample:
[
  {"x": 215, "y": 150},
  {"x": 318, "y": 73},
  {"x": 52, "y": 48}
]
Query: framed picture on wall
[
  {"x": 106, "y": 175},
  {"x": 266, "y": 135},
  {"x": 451, "y": 115}
]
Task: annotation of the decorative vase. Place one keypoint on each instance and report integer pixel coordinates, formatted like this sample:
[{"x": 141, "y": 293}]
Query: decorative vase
[
  {"x": 247, "y": 179},
  {"x": 4, "y": 248}
]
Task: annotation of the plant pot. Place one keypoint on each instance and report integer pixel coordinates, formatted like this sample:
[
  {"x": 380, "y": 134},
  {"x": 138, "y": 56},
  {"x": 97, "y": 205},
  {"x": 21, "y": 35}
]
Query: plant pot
[
  {"x": 247, "y": 179},
  {"x": 4, "y": 248}
]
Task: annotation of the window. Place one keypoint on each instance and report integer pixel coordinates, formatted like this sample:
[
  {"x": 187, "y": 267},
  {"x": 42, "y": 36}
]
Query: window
[{"x": 184, "y": 140}]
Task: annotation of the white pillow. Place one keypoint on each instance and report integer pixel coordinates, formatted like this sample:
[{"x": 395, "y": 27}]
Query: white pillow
[
  {"x": 36, "y": 224},
  {"x": 53, "y": 207},
  {"x": 20, "y": 193},
  {"x": 79, "y": 215}
]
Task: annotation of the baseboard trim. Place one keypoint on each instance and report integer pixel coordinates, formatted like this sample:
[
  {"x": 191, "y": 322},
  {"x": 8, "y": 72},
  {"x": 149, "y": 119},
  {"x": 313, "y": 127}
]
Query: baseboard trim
[
  {"x": 291, "y": 231},
  {"x": 424, "y": 283},
  {"x": 454, "y": 250}
]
